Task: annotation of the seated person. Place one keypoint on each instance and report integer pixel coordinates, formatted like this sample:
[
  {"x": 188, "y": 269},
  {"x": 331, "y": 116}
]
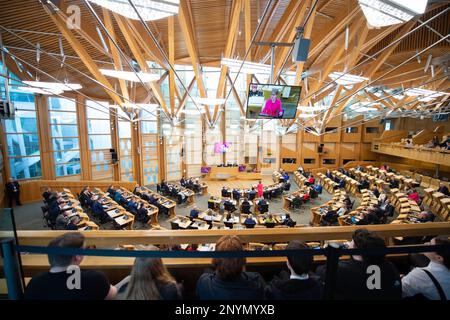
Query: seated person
[
  {"x": 183, "y": 182},
  {"x": 194, "y": 213},
  {"x": 287, "y": 185},
  {"x": 341, "y": 184},
  {"x": 245, "y": 206},
  {"x": 98, "y": 210},
  {"x": 136, "y": 189},
  {"x": 229, "y": 281},
  {"x": 363, "y": 184},
  {"x": 418, "y": 281},
  {"x": 382, "y": 197},
  {"x": 269, "y": 219},
  {"x": 132, "y": 206},
  {"x": 288, "y": 221},
  {"x": 297, "y": 201},
  {"x": 388, "y": 208},
  {"x": 443, "y": 189},
  {"x": 52, "y": 285},
  {"x": 414, "y": 195},
  {"x": 318, "y": 187},
  {"x": 426, "y": 216},
  {"x": 211, "y": 203},
  {"x": 118, "y": 197},
  {"x": 298, "y": 285},
  {"x": 47, "y": 193},
  {"x": 229, "y": 205},
  {"x": 181, "y": 197},
  {"x": 393, "y": 184},
  {"x": 341, "y": 211},
  {"x": 142, "y": 213},
  {"x": 330, "y": 218},
  {"x": 310, "y": 180},
  {"x": 328, "y": 174},
  {"x": 352, "y": 276},
  {"x": 149, "y": 280},
  {"x": 225, "y": 192},
  {"x": 261, "y": 204},
  {"x": 313, "y": 193},
  {"x": 300, "y": 169},
  {"x": 209, "y": 217},
  {"x": 236, "y": 194},
  {"x": 252, "y": 194},
  {"x": 347, "y": 202},
  {"x": 285, "y": 176},
  {"x": 249, "y": 221},
  {"x": 376, "y": 192},
  {"x": 111, "y": 190}
]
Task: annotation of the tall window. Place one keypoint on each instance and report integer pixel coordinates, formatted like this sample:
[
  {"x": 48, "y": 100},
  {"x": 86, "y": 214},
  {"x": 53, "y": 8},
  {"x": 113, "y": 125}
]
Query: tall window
[
  {"x": 192, "y": 141},
  {"x": 149, "y": 132},
  {"x": 126, "y": 160},
  {"x": 22, "y": 137},
  {"x": 99, "y": 131},
  {"x": 64, "y": 133}
]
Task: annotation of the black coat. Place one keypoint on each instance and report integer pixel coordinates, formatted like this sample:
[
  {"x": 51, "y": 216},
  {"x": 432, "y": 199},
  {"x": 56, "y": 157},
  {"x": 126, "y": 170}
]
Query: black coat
[
  {"x": 12, "y": 188},
  {"x": 248, "y": 286}
]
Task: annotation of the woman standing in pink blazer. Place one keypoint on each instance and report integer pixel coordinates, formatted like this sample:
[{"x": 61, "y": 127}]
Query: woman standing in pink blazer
[{"x": 260, "y": 189}]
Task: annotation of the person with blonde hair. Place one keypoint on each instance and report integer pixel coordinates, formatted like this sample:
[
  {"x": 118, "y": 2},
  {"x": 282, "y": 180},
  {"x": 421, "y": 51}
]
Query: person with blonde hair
[{"x": 149, "y": 280}]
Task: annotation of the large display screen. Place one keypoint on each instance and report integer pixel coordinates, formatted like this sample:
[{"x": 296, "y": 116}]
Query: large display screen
[
  {"x": 222, "y": 147},
  {"x": 269, "y": 101}
]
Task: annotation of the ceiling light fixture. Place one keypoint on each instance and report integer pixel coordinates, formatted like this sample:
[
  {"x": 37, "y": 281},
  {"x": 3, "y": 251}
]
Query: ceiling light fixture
[
  {"x": 209, "y": 101},
  {"x": 346, "y": 79},
  {"x": 58, "y": 86},
  {"x": 381, "y": 13},
  {"x": 247, "y": 67},
  {"x": 148, "y": 9},
  {"x": 131, "y": 76},
  {"x": 45, "y": 91}
]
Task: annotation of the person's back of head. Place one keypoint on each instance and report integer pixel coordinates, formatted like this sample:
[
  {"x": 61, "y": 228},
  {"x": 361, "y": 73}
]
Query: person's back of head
[
  {"x": 299, "y": 264},
  {"x": 67, "y": 240},
  {"x": 440, "y": 256},
  {"x": 229, "y": 268},
  {"x": 364, "y": 239},
  {"x": 146, "y": 274}
]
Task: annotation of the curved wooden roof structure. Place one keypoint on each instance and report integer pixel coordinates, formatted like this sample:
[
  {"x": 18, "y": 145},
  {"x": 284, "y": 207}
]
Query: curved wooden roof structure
[{"x": 204, "y": 31}]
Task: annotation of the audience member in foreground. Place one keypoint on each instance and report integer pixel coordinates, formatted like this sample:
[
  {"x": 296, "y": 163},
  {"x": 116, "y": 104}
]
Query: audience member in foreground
[
  {"x": 149, "y": 280},
  {"x": 299, "y": 285},
  {"x": 352, "y": 276},
  {"x": 433, "y": 281},
  {"x": 53, "y": 285},
  {"x": 229, "y": 281}
]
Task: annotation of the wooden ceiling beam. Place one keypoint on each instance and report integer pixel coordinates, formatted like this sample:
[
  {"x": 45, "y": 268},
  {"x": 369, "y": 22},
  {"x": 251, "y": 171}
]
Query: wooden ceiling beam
[
  {"x": 331, "y": 33},
  {"x": 248, "y": 34},
  {"x": 375, "y": 65},
  {"x": 236, "y": 95},
  {"x": 306, "y": 35},
  {"x": 183, "y": 100},
  {"x": 381, "y": 99},
  {"x": 84, "y": 55},
  {"x": 281, "y": 28},
  {"x": 290, "y": 37},
  {"x": 171, "y": 41},
  {"x": 115, "y": 53},
  {"x": 188, "y": 34},
  {"x": 228, "y": 51},
  {"x": 139, "y": 56}
]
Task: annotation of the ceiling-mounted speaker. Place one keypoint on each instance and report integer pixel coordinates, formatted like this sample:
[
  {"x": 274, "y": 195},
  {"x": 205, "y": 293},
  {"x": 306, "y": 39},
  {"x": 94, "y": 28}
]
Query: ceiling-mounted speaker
[{"x": 301, "y": 50}]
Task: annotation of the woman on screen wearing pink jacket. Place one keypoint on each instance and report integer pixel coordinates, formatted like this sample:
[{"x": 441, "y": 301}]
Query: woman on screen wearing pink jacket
[{"x": 273, "y": 108}]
